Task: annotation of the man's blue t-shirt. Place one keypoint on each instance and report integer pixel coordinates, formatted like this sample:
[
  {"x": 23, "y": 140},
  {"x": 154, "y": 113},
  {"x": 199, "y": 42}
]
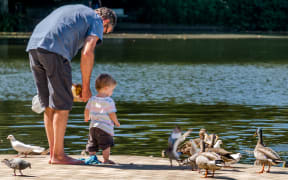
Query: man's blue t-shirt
[{"x": 64, "y": 30}]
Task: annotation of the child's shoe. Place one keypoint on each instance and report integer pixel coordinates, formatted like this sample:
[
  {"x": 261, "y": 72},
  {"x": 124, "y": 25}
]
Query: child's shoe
[{"x": 92, "y": 160}]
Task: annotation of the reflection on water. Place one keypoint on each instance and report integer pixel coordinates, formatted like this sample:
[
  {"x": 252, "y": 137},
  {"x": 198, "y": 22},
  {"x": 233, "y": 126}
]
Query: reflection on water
[
  {"x": 145, "y": 127},
  {"x": 229, "y": 87}
]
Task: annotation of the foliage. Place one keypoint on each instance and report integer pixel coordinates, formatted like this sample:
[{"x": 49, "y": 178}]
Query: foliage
[
  {"x": 239, "y": 15},
  {"x": 255, "y": 15},
  {"x": 15, "y": 22}
]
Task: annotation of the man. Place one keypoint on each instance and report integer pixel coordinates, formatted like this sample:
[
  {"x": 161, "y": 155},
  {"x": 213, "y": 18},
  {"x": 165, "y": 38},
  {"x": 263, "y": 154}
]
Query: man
[{"x": 52, "y": 45}]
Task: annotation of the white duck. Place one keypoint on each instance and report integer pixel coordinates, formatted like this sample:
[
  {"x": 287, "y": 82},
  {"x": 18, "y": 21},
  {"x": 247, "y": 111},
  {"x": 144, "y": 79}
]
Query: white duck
[
  {"x": 218, "y": 144},
  {"x": 22, "y": 148}
]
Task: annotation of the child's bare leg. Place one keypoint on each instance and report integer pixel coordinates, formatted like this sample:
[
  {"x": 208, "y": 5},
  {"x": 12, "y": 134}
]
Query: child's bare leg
[
  {"x": 92, "y": 153},
  {"x": 106, "y": 154}
]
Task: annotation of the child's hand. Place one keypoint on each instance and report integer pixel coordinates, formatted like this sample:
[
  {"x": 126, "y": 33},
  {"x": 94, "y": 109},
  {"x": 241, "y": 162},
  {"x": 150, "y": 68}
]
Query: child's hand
[
  {"x": 117, "y": 124},
  {"x": 86, "y": 120}
]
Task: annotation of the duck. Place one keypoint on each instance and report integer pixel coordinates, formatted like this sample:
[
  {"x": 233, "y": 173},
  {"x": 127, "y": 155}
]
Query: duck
[
  {"x": 265, "y": 155},
  {"x": 192, "y": 152},
  {"x": 225, "y": 155},
  {"x": 192, "y": 146},
  {"x": 188, "y": 148},
  {"x": 210, "y": 139},
  {"x": 191, "y": 160},
  {"x": 208, "y": 160},
  {"x": 174, "y": 140},
  {"x": 22, "y": 148},
  {"x": 218, "y": 144},
  {"x": 236, "y": 156}
]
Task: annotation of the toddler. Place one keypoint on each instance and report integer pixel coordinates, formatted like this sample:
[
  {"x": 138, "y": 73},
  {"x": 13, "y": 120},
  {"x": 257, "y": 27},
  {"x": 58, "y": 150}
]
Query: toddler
[{"x": 101, "y": 111}]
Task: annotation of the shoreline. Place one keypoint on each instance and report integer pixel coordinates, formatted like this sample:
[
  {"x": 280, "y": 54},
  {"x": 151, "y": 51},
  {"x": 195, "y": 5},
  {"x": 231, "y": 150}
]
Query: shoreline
[
  {"x": 132, "y": 167},
  {"x": 26, "y": 35}
]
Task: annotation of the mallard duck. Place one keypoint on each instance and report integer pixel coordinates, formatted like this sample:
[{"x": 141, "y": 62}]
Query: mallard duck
[
  {"x": 208, "y": 160},
  {"x": 193, "y": 145},
  {"x": 202, "y": 133},
  {"x": 173, "y": 142},
  {"x": 188, "y": 148},
  {"x": 210, "y": 139},
  {"x": 191, "y": 161},
  {"x": 226, "y": 156},
  {"x": 236, "y": 157},
  {"x": 265, "y": 155},
  {"x": 193, "y": 151}
]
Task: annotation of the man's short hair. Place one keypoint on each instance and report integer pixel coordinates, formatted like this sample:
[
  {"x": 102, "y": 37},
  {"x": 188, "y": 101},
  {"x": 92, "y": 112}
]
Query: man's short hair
[{"x": 107, "y": 13}]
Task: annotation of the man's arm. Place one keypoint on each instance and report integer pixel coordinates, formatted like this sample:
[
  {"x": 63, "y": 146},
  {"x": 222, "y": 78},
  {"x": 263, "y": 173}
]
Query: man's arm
[
  {"x": 86, "y": 65},
  {"x": 113, "y": 117}
]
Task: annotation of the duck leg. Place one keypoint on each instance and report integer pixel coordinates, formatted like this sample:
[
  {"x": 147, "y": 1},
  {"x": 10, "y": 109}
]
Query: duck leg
[
  {"x": 14, "y": 172},
  {"x": 262, "y": 170},
  {"x": 206, "y": 172},
  {"x": 213, "y": 173},
  {"x": 268, "y": 168},
  {"x": 170, "y": 162},
  {"x": 20, "y": 172},
  {"x": 194, "y": 167}
]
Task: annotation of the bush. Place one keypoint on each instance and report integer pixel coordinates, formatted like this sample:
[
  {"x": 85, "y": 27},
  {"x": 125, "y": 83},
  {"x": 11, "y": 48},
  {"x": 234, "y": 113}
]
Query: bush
[
  {"x": 239, "y": 15},
  {"x": 14, "y": 22}
]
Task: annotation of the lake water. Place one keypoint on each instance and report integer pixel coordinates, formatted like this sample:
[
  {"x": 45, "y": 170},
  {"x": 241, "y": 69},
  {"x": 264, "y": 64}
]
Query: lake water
[{"x": 227, "y": 86}]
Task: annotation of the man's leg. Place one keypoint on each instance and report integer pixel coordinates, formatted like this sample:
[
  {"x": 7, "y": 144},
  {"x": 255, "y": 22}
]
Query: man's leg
[
  {"x": 60, "y": 119},
  {"x": 48, "y": 120},
  {"x": 54, "y": 81}
]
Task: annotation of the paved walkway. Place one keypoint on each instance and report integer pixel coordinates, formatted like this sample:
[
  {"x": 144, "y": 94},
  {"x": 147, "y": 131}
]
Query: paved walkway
[{"x": 132, "y": 167}]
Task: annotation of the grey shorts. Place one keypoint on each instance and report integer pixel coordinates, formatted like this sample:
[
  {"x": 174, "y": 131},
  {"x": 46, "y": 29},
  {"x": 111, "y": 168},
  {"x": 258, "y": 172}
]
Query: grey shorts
[
  {"x": 53, "y": 79},
  {"x": 98, "y": 139}
]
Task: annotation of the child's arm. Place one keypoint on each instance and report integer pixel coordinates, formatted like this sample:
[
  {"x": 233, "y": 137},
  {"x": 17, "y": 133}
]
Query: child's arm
[
  {"x": 86, "y": 115},
  {"x": 113, "y": 117}
]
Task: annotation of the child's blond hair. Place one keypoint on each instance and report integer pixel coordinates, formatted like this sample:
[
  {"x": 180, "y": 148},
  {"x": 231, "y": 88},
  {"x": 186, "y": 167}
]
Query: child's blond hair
[{"x": 104, "y": 80}]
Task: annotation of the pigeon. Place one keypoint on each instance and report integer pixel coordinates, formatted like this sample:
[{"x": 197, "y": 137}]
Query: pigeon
[
  {"x": 17, "y": 163},
  {"x": 22, "y": 148},
  {"x": 45, "y": 152}
]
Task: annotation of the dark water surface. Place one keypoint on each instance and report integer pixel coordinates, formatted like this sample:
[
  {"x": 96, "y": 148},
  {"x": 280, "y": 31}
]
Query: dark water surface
[{"x": 228, "y": 86}]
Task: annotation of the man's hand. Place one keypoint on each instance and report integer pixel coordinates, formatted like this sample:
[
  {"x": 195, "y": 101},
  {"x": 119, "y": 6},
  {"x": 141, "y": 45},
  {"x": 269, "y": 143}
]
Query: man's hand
[{"x": 86, "y": 94}]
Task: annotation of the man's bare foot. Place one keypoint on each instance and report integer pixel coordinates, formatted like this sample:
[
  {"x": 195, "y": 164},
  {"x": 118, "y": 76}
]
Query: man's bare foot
[
  {"x": 67, "y": 160},
  {"x": 109, "y": 162}
]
